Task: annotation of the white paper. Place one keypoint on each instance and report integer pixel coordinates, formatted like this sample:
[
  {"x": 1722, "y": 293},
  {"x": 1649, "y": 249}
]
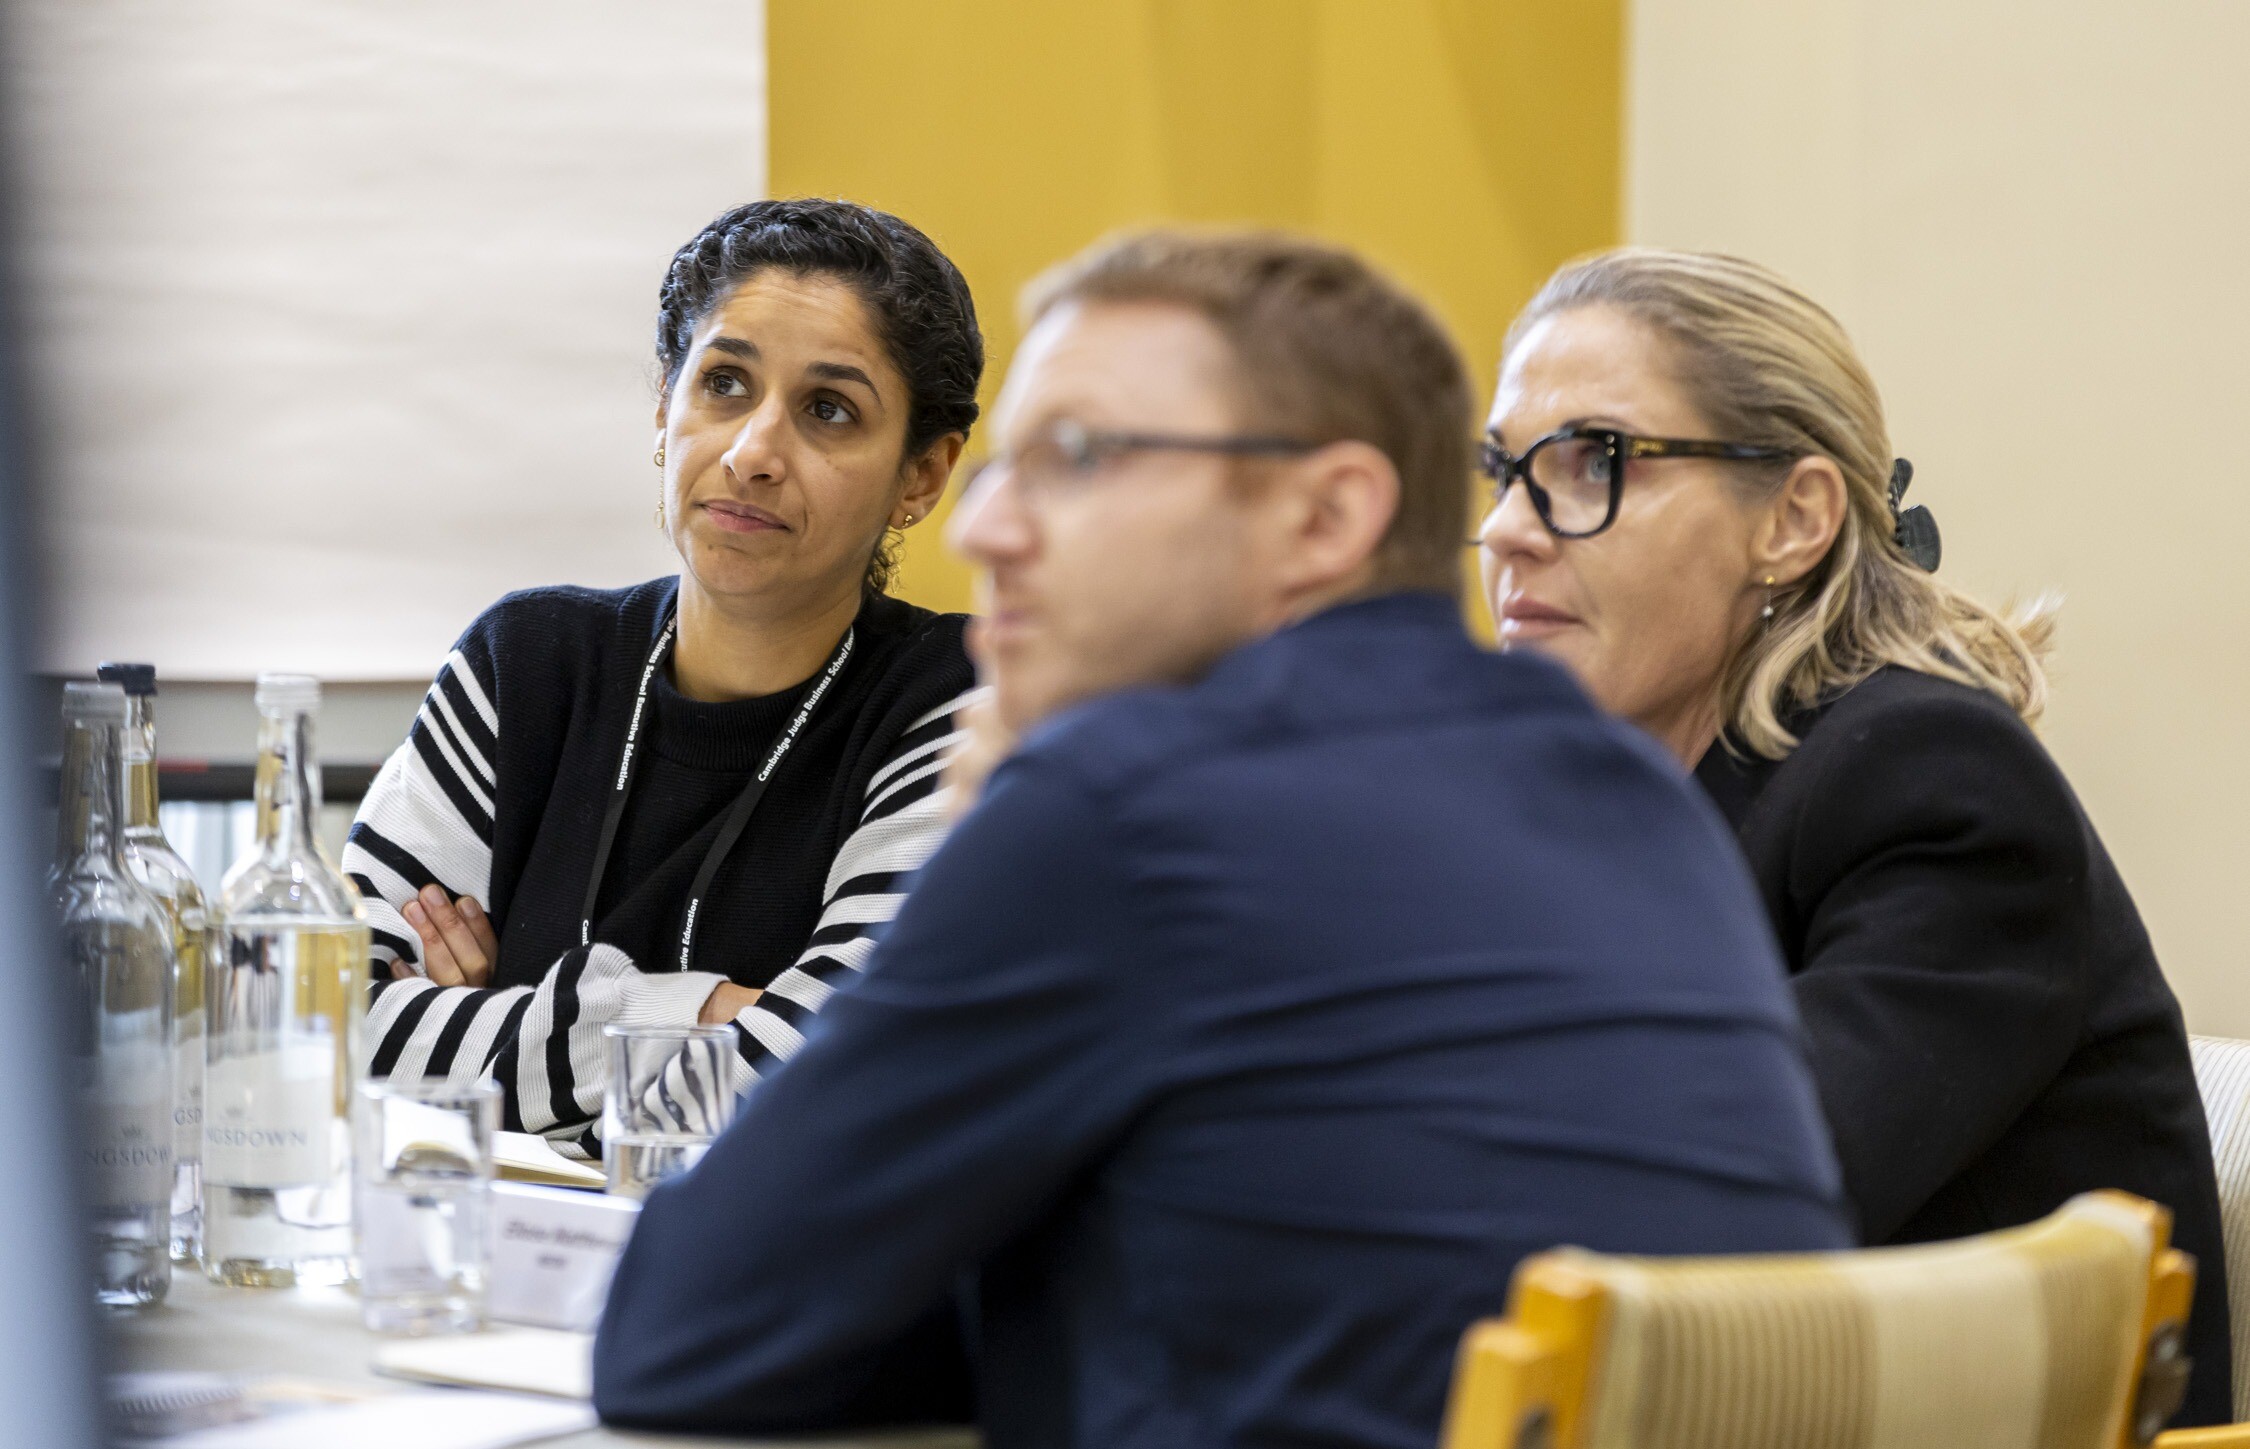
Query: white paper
[
  {"x": 523, "y": 1360},
  {"x": 414, "y": 1419}
]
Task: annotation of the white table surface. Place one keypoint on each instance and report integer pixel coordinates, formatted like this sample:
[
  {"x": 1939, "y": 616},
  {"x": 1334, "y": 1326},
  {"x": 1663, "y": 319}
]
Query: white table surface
[{"x": 315, "y": 1333}]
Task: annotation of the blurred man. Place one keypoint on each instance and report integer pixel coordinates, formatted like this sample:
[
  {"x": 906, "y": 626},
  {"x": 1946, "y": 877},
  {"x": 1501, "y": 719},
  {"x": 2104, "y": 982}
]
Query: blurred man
[{"x": 1301, "y": 970}]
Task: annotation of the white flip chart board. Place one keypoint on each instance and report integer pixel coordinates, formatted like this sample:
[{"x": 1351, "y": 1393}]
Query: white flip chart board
[{"x": 340, "y": 310}]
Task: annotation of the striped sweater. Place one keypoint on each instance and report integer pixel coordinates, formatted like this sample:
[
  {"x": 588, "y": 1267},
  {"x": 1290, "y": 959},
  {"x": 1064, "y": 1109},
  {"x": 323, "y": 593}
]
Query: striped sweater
[{"x": 498, "y": 793}]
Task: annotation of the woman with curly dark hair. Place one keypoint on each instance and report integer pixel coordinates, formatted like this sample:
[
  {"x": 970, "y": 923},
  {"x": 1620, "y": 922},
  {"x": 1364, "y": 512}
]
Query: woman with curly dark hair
[{"x": 693, "y": 799}]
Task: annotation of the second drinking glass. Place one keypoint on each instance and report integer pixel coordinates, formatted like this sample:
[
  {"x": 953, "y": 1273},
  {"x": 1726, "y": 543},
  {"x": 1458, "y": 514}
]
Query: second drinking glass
[
  {"x": 667, "y": 1097},
  {"x": 424, "y": 1165}
]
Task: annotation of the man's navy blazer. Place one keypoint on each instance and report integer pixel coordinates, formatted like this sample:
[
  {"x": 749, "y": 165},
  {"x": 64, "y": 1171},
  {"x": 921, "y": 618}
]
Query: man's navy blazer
[{"x": 1224, "y": 1062}]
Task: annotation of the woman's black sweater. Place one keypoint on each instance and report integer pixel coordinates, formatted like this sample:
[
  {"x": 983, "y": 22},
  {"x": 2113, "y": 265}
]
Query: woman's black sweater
[
  {"x": 499, "y": 793},
  {"x": 1989, "y": 1029}
]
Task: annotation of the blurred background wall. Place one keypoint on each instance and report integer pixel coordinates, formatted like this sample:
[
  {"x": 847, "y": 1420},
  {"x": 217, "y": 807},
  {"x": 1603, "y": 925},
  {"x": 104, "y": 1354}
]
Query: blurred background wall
[
  {"x": 2030, "y": 217},
  {"x": 1467, "y": 145}
]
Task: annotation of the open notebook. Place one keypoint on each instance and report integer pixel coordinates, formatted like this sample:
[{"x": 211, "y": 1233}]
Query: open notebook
[
  {"x": 413, "y": 1128},
  {"x": 524, "y": 1157}
]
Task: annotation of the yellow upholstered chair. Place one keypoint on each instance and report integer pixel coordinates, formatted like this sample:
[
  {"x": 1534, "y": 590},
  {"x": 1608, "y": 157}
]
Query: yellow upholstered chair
[
  {"x": 2062, "y": 1334},
  {"x": 2222, "y": 1074}
]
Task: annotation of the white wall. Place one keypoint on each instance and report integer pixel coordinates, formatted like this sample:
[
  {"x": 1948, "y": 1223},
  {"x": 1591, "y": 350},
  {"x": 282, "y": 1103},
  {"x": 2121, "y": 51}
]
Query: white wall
[
  {"x": 2031, "y": 217},
  {"x": 342, "y": 310}
]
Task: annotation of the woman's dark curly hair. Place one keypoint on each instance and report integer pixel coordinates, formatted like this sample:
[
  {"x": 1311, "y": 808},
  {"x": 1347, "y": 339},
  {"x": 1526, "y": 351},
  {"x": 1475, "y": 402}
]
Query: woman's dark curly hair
[{"x": 921, "y": 305}]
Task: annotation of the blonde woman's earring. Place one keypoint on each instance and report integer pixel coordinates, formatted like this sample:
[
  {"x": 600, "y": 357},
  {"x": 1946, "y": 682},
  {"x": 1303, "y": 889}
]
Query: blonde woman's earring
[
  {"x": 1769, "y": 600},
  {"x": 658, "y": 460}
]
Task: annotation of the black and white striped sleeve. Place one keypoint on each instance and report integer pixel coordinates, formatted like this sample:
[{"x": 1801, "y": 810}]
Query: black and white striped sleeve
[
  {"x": 543, "y": 1043},
  {"x": 428, "y": 816},
  {"x": 901, "y": 824}
]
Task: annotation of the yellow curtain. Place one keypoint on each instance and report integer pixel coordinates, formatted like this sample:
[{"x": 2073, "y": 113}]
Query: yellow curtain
[{"x": 1466, "y": 145}]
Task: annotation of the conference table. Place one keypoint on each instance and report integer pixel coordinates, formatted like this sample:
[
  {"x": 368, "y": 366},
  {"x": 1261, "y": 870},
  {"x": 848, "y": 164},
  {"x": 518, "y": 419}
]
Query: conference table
[{"x": 315, "y": 1335}]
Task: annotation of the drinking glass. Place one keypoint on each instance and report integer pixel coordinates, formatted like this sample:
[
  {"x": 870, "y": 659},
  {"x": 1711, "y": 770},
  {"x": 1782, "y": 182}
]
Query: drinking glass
[
  {"x": 424, "y": 1188},
  {"x": 666, "y": 1097}
]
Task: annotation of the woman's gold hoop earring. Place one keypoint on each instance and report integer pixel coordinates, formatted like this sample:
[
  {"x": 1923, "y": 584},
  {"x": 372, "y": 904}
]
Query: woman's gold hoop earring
[{"x": 659, "y": 458}]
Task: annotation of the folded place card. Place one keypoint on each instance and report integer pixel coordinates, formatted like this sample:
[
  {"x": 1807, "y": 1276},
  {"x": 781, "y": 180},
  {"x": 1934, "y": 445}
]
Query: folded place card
[{"x": 553, "y": 1251}]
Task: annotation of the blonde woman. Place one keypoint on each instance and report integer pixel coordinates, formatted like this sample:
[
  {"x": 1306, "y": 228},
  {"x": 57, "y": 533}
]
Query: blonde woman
[{"x": 1709, "y": 537}]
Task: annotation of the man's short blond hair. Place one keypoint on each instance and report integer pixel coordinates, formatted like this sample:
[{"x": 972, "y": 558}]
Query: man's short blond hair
[{"x": 1326, "y": 350}]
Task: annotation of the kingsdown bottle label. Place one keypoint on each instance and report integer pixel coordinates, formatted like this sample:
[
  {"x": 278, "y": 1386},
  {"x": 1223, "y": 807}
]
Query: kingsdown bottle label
[
  {"x": 269, "y": 1118},
  {"x": 128, "y": 1122},
  {"x": 187, "y": 1087}
]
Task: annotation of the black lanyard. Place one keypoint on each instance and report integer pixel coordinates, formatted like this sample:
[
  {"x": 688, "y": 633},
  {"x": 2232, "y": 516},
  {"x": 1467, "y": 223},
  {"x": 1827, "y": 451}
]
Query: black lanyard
[{"x": 738, "y": 816}]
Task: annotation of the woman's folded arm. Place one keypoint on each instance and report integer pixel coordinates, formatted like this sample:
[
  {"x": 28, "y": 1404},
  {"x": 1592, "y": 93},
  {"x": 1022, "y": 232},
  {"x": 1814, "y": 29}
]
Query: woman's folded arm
[{"x": 543, "y": 1043}]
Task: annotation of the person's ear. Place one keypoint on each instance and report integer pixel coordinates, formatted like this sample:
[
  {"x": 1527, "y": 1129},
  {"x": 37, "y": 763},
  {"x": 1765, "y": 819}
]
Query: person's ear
[
  {"x": 1337, "y": 508},
  {"x": 925, "y": 480},
  {"x": 1798, "y": 526}
]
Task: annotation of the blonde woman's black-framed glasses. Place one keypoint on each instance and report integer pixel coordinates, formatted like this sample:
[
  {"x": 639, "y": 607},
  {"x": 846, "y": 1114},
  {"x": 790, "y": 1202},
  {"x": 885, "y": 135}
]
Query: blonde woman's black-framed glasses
[{"x": 1575, "y": 474}]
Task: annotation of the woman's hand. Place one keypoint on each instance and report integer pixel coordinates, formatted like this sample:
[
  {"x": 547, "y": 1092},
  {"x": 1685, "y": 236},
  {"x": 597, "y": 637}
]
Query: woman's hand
[
  {"x": 459, "y": 947},
  {"x": 990, "y": 741},
  {"x": 726, "y": 1002}
]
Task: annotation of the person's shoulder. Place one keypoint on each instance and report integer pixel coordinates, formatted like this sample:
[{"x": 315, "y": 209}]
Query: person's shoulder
[
  {"x": 1103, "y": 743},
  {"x": 1907, "y": 752},
  {"x": 572, "y": 608},
  {"x": 922, "y": 650},
  {"x": 921, "y": 670},
  {"x": 1385, "y": 682},
  {"x": 1898, "y": 715},
  {"x": 544, "y": 636},
  {"x": 1899, "y": 692}
]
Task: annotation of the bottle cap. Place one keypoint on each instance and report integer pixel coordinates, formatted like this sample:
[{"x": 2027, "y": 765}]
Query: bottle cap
[
  {"x": 91, "y": 703},
  {"x": 288, "y": 693},
  {"x": 135, "y": 679}
]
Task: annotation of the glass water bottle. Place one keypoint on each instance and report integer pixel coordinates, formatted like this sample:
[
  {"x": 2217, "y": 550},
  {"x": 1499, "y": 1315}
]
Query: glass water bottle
[
  {"x": 284, "y": 1004},
  {"x": 119, "y": 945},
  {"x": 159, "y": 867}
]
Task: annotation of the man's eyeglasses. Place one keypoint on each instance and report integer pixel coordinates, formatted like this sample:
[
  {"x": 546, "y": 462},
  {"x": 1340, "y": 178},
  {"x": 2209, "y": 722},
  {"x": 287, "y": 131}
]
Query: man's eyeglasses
[
  {"x": 1067, "y": 454},
  {"x": 1575, "y": 474}
]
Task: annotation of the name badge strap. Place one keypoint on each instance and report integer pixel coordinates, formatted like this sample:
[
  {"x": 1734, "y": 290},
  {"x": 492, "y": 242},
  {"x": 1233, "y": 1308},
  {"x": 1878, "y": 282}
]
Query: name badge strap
[
  {"x": 738, "y": 814},
  {"x": 621, "y": 785}
]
